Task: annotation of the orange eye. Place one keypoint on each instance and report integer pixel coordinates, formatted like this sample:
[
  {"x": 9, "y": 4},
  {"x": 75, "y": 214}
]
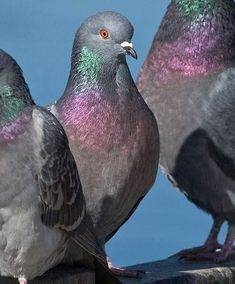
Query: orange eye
[{"x": 104, "y": 33}]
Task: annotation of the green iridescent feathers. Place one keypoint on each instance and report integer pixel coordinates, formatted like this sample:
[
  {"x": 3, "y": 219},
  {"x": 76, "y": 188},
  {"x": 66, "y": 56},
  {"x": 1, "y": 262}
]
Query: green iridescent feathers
[
  {"x": 88, "y": 66},
  {"x": 188, "y": 7},
  {"x": 11, "y": 106}
]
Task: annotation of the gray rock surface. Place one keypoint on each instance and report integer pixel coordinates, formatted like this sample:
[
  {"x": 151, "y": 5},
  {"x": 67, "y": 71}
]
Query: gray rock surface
[
  {"x": 174, "y": 271},
  {"x": 167, "y": 271},
  {"x": 59, "y": 275}
]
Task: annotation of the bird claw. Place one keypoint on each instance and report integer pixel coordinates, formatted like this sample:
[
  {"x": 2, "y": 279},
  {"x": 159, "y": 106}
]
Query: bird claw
[
  {"x": 203, "y": 256},
  {"x": 215, "y": 256},
  {"x": 22, "y": 280},
  {"x": 120, "y": 272},
  {"x": 193, "y": 251},
  {"x": 198, "y": 251}
]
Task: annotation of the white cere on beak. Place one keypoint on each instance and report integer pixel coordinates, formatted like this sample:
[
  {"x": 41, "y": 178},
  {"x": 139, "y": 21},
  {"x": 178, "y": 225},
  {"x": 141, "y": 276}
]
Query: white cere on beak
[{"x": 126, "y": 43}]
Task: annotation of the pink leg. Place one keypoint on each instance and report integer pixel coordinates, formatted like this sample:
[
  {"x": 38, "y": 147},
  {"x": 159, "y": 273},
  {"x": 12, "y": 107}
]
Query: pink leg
[
  {"x": 227, "y": 249},
  {"x": 22, "y": 280},
  {"x": 121, "y": 272},
  {"x": 210, "y": 245},
  {"x": 225, "y": 253}
]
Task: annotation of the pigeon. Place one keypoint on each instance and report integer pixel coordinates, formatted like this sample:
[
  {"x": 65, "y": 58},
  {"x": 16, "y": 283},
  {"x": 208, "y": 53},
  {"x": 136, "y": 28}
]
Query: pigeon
[
  {"x": 42, "y": 209},
  {"x": 188, "y": 80},
  {"x": 112, "y": 133}
]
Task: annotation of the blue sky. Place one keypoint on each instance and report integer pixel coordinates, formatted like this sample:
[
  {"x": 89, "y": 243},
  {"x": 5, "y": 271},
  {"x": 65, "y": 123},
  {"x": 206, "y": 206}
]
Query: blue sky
[{"x": 39, "y": 35}]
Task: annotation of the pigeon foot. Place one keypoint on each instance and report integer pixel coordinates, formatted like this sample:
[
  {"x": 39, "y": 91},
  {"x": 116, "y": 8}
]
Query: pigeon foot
[
  {"x": 22, "y": 280},
  {"x": 224, "y": 254},
  {"x": 216, "y": 257},
  {"x": 201, "y": 250},
  {"x": 121, "y": 272}
]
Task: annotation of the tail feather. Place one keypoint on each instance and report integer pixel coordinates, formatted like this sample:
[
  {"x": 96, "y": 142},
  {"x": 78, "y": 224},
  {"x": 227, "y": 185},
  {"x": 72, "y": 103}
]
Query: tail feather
[
  {"x": 103, "y": 275},
  {"x": 85, "y": 237}
]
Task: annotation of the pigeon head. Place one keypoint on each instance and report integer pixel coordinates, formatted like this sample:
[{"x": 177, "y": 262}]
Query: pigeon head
[
  {"x": 108, "y": 34},
  {"x": 7, "y": 64},
  {"x": 11, "y": 77},
  {"x": 99, "y": 53}
]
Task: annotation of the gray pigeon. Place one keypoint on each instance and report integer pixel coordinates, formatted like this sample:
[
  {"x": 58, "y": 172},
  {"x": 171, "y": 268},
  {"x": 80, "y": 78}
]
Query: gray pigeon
[
  {"x": 112, "y": 133},
  {"x": 188, "y": 80},
  {"x": 42, "y": 207}
]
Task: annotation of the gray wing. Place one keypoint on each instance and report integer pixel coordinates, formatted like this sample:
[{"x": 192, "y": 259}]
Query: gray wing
[
  {"x": 61, "y": 197},
  {"x": 220, "y": 121}
]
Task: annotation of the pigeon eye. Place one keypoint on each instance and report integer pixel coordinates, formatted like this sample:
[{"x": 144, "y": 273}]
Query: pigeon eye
[{"x": 104, "y": 33}]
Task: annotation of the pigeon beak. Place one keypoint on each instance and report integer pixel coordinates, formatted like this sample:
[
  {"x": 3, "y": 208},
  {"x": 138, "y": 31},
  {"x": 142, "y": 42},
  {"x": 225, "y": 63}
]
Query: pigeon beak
[{"x": 128, "y": 47}]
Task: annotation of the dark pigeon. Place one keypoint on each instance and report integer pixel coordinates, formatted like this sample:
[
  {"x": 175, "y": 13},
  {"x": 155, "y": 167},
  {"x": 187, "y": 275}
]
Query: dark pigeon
[
  {"x": 112, "y": 133},
  {"x": 188, "y": 80},
  {"x": 42, "y": 207}
]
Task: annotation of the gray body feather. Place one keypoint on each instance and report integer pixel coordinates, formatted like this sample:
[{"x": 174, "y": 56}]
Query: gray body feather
[
  {"x": 112, "y": 132},
  {"x": 188, "y": 80},
  {"x": 42, "y": 209}
]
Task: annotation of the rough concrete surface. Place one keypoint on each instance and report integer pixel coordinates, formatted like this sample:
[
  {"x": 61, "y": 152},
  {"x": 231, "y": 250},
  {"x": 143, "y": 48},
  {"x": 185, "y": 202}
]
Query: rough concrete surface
[
  {"x": 174, "y": 271},
  {"x": 59, "y": 275},
  {"x": 168, "y": 271}
]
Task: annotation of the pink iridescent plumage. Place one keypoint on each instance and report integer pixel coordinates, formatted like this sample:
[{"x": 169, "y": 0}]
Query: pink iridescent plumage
[
  {"x": 198, "y": 50},
  {"x": 87, "y": 118},
  {"x": 12, "y": 129}
]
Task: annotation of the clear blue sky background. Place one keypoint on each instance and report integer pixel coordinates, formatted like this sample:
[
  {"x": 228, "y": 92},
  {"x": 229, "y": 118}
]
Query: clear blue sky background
[{"x": 39, "y": 35}]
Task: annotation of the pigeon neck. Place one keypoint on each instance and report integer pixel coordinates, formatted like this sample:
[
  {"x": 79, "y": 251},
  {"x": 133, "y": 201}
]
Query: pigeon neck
[
  {"x": 87, "y": 72},
  {"x": 124, "y": 79},
  {"x": 196, "y": 37},
  {"x": 13, "y": 103}
]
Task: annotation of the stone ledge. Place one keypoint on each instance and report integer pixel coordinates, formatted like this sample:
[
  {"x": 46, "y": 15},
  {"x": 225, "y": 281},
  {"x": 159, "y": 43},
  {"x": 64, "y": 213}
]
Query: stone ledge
[
  {"x": 174, "y": 271},
  {"x": 59, "y": 275},
  {"x": 168, "y": 271}
]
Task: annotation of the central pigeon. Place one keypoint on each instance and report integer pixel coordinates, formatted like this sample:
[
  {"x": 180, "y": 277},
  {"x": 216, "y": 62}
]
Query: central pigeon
[
  {"x": 42, "y": 207},
  {"x": 188, "y": 80},
  {"x": 112, "y": 133}
]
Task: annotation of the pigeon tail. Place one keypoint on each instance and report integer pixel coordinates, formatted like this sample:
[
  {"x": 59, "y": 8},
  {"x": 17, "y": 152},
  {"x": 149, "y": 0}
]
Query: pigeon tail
[{"x": 85, "y": 237}]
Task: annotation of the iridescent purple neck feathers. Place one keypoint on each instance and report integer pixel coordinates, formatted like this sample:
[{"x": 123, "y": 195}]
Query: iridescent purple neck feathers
[
  {"x": 194, "y": 38},
  {"x": 93, "y": 114},
  {"x": 11, "y": 130},
  {"x": 90, "y": 120},
  {"x": 15, "y": 100}
]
